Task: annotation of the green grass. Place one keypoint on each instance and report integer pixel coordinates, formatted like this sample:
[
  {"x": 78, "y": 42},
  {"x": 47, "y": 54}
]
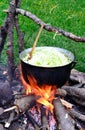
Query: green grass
[{"x": 65, "y": 14}]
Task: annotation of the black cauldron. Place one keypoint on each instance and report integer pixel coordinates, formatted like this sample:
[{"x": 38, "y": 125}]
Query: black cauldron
[{"x": 57, "y": 75}]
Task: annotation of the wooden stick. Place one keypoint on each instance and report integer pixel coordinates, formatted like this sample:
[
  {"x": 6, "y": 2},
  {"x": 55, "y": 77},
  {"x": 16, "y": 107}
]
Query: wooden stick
[
  {"x": 10, "y": 53},
  {"x": 35, "y": 43},
  {"x": 49, "y": 27},
  {"x": 66, "y": 104},
  {"x": 8, "y": 122},
  {"x": 10, "y": 109}
]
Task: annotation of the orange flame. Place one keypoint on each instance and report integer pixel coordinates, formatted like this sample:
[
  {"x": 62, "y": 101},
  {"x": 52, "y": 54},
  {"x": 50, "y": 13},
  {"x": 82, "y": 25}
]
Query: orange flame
[{"x": 46, "y": 92}]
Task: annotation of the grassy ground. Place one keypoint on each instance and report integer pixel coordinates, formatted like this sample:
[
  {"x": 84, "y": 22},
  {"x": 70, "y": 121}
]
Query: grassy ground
[{"x": 65, "y": 14}]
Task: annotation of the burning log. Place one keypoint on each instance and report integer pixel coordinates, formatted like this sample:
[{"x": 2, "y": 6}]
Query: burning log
[
  {"x": 34, "y": 123},
  {"x": 62, "y": 116},
  {"x": 26, "y": 102},
  {"x": 44, "y": 120}
]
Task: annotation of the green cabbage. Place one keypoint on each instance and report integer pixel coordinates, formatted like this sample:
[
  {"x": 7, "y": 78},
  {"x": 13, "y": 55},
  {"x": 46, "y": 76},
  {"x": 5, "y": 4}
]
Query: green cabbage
[{"x": 47, "y": 58}]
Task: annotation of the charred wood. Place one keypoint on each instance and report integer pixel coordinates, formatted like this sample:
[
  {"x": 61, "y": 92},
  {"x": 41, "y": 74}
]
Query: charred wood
[
  {"x": 17, "y": 126},
  {"x": 44, "y": 120},
  {"x": 49, "y": 27},
  {"x": 62, "y": 116},
  {"x": 34, "y": 123}
]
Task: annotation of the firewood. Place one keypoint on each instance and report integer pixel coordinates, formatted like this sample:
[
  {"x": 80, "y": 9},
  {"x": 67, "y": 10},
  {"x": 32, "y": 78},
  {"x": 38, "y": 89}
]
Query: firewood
[
  {"x": 44, "y": 120},
  {"x": 78, "y": 85},
  {"x": 74, "y": 113},
  {"x": 34, "y": 123},
  {"x": 8, "y": 109},
  {"x": 62, "y": 116},
  {"x": 1, "y": 127},
  {"x": 77, "y": 125},
  {"x": 61, "y": 92},
  {"x": 67, "y": 104},
  {"x": 77, "y": 76},
  {"x": 75, "y": 91},
  {"x": 26, "y": 102},
  {"x": 8, "y": 122},
  {"x": 78, "y": 101}
]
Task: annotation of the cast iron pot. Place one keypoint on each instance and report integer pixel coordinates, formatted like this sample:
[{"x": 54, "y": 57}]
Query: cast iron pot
[{"x": 57, "y": 75}]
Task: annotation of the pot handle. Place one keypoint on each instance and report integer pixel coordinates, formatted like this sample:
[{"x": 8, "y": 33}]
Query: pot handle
[{"x": 73, "y": 64}]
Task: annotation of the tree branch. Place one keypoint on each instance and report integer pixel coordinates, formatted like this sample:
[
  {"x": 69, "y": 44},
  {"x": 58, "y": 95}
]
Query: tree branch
[
  {"x": 20, "y": 35},
  {"x": 3, "y": 34},
  {"x": 10, "y": 41},
  {"x": 49, "y": 27}
]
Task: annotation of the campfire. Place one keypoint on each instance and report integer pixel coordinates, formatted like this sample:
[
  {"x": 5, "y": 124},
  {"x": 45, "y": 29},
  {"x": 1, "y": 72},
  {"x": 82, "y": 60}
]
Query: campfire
[
  {"x": 46, "y": 107},
  {"x": 33, "y": 106}
]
